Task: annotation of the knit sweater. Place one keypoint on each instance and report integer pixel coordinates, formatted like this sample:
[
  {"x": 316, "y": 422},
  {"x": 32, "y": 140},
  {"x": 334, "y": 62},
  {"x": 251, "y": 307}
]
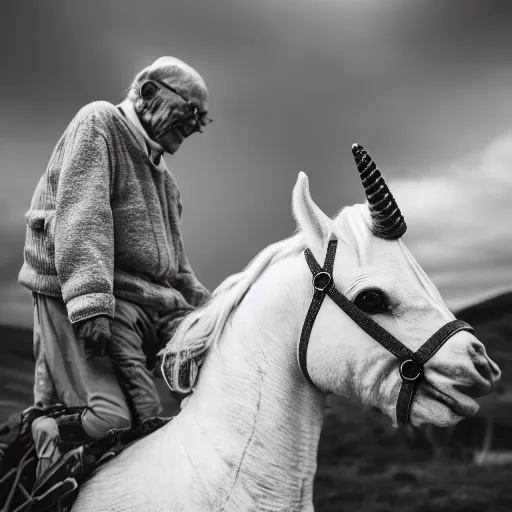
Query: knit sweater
[{"x": 104, "y": 222}]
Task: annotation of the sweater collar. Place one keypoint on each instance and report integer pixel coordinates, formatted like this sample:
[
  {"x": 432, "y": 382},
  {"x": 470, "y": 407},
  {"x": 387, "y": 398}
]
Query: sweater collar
[{"x": 154, "y": 150}]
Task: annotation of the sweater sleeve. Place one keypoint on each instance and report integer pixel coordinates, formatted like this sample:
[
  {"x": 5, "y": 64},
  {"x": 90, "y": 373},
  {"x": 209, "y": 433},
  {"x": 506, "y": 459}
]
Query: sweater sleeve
[
  {"x": 186, "y": 281},
  {"x": 190, "y": 287},
  {"x": 84, "y": 231}
]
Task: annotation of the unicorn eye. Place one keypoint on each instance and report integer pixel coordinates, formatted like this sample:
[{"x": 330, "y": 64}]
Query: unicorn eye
[{"x": 371, "y": 302}]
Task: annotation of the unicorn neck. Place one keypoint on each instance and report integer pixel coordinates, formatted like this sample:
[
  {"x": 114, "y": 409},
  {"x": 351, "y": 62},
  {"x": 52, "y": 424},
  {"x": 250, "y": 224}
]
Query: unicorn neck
[{"x": 253, "y": 409}]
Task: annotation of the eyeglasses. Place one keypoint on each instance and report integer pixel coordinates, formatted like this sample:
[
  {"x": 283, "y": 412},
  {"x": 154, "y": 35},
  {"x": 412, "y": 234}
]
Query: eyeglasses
[{"x": 194, "y": 121}]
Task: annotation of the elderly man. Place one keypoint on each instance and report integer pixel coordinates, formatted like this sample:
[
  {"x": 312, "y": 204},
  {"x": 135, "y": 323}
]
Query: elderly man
[{"x": 104, "y": 255}]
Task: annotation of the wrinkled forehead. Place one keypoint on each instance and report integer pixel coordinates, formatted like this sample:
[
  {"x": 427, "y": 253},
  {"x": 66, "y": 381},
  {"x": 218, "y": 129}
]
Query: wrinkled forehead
[
  {"x": 197, "y": 93},
  {"x": 190, "y": 85}
]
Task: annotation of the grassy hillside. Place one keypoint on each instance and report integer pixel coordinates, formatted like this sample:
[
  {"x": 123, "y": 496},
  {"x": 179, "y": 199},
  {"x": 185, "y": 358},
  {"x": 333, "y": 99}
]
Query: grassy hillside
[
  {"x": 364, "y": 464},
  {"x": 15, "y": 370}
]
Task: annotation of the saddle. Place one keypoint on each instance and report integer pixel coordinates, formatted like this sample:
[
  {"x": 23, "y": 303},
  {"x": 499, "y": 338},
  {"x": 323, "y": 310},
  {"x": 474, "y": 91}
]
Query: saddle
[{"x": 57, "y": 488}]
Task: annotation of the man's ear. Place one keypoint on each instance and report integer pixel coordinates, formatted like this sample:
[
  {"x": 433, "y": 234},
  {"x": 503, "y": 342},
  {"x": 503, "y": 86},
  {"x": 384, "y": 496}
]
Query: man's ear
[{"x": 148, "y": 90}]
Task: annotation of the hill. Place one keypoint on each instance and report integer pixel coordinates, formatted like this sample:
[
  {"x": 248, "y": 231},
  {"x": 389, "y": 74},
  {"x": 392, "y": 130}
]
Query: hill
[
  {"x": 488, "y": 310},
  {"x": 16, "y": 370}
]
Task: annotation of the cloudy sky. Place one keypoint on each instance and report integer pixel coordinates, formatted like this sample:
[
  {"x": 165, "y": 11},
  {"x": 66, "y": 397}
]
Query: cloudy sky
[{"x": 424, "y": 85}]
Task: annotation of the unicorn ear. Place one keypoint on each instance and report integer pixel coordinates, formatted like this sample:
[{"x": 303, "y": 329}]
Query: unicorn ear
[{"x": 309, "y": 217}]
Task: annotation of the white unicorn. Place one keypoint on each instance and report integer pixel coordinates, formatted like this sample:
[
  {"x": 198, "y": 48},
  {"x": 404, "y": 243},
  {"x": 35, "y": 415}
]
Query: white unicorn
[{"x": 247, "y": 437}]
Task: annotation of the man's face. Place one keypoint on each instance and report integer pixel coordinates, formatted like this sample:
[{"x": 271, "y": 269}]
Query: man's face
[
  {"x": 181, "y": 114},
  {"x": 170, "y": 114}
]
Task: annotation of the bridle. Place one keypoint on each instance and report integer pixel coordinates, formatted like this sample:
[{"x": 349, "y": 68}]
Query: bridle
[{"x": 410, "y": 363}]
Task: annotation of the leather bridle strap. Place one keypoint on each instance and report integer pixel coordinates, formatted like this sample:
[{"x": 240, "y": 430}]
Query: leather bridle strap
[{"x": 411, "y": 363}]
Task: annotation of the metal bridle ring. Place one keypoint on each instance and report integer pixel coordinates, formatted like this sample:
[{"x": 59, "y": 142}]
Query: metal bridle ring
[
  {"x": 322, "y": 280},
  {"x": 410, "y": 370}
]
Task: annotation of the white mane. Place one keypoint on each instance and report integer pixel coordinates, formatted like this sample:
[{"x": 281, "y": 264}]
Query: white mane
[{"x": 201, "y": 329}]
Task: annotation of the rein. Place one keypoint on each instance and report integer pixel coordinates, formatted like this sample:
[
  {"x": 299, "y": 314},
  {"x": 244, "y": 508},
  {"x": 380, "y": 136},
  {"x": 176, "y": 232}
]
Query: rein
[{"x": 411, "y": 363}]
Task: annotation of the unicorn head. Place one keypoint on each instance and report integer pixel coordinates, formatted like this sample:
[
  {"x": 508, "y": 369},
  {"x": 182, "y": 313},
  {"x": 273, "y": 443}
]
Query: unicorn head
[{"x": 375, "y": 271}]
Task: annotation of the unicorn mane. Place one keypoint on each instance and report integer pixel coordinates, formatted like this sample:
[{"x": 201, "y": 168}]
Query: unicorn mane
[{"x": 201, "y": 329}]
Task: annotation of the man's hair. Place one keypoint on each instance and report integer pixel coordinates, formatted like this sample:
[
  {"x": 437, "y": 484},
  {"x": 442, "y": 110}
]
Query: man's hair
[{"x": 165, "y": 69}]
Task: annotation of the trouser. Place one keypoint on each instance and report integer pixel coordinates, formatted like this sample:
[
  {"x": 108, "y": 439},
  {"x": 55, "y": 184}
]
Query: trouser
[{"x": 114, "y": 388}]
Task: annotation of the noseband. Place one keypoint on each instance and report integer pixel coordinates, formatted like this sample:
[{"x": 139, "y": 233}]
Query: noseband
[{"x": 411, "y": 363}]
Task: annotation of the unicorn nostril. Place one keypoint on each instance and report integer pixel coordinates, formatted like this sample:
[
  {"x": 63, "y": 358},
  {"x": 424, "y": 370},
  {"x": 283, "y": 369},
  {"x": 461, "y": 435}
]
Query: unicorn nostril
[
  {"x": 481, "y": 378},
  {"x": 483, "y": 369},
  {"x": 476, "y": 349}
]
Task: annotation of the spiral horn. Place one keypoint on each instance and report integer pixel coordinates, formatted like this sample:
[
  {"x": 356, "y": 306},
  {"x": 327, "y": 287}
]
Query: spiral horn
[{"x": 387, "y": 219}]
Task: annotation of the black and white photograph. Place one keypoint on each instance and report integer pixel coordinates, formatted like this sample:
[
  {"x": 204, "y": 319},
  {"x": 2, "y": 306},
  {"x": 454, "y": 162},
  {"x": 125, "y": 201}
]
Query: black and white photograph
[{"x": 256, "y": 256}]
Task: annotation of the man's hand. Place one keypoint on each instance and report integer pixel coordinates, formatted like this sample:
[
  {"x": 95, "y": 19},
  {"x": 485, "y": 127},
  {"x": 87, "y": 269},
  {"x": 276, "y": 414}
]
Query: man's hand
[{"x": 95, "y": 332}]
